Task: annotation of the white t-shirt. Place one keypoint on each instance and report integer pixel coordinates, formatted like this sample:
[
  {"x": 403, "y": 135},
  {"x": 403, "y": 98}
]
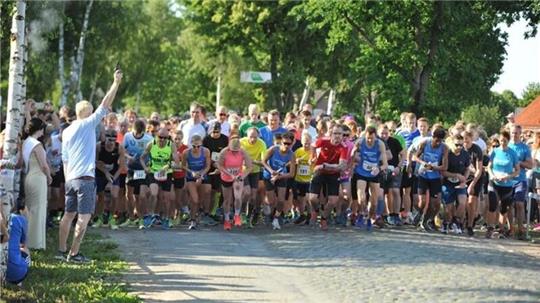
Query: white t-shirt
[
  {"x": 54, "y": 153},
  {"x": 225, "y": 127},
  {"x": 79, "y": 146},
  {"x": 190, "y": 129},
  {"x": 312, "y": 132}
]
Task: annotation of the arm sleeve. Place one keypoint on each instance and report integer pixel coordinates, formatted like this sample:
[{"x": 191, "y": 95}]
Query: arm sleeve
[{"x": 96, "y": 117}]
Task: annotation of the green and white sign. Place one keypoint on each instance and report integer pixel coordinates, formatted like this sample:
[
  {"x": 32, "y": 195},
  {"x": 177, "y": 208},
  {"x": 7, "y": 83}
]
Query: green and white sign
[{"x": 255, "y": 77}]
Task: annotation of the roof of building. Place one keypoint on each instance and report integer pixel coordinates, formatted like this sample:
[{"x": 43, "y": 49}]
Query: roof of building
[{"x": 530, "y": 116}]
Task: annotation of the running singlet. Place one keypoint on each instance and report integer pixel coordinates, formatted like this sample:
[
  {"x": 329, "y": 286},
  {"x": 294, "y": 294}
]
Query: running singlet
[
  {"x": 195, "y": 164},
  {"x": 179, "y": 173},
  {"x": 369, "y": 158},
  {"x": 503, "y": 163},
  {"x": 232, "y": 164},
  {"x": 409, "y": 136},
  {"x": 304, "y": 171},
  {"x": 432, "y": 156},
  {"x": 346, "y": 174},
  {"x": 160, "y": 156},
  {"x": 135, "y": 148},
  {"x": 458, "y": 164},
  {"x": 109, "y": 158},
  {"x": 330, "y": 154},
  {"x": 255, "y": 151},
  {"x": 278, "y": 162},
  {"x": 523, "y": 153}
]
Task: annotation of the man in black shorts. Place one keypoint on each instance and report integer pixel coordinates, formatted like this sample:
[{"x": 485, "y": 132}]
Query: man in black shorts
[{"x": 475, "y": 184}]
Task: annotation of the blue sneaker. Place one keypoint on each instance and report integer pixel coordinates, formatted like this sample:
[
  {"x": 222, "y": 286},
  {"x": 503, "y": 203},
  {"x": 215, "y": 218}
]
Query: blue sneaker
[
  {"x": 165, "y": 224},
  {"x": 369, "y": 225},
  {"x": 147, "y": 221},
  {"x": 359, "y": 222},
  {"x": 397, "y": 221}
]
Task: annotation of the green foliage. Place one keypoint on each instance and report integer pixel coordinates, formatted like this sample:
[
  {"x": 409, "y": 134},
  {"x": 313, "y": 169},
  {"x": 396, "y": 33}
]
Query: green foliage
[
  {"x": 51, "y": 280},
  {"x": 489, "y": 117},
  {"x": 530, "y": 93}
]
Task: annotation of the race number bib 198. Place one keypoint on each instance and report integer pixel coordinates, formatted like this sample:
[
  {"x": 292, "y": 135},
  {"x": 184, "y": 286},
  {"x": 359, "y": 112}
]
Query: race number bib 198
[
  {"x": 303, "y": 170},
  {"x": 233, "y": 171},
  {"x": 139, "y": 175},
  {"x": 214, "y": 156},
  {"x": 368, "y": 166}
]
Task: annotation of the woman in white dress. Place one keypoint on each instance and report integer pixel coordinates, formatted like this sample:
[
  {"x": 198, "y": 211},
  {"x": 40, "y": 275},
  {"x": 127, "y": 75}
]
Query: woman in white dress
[{"x": 37, "y": 177}]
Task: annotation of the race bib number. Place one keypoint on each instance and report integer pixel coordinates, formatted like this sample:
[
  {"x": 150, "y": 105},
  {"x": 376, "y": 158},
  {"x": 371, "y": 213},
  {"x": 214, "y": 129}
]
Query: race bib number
[
  {"x": 303, "y": 170},
  {"x": 109, "y": 167},
  {"x": 369, "y": 166},
  {"x": 139, "y": 175},
  {"x": 214, "y": 156},
  {"x": 453, "y": 180},
  {"x": 160, "y": 176},
  {"x": 233, "y": 171}
]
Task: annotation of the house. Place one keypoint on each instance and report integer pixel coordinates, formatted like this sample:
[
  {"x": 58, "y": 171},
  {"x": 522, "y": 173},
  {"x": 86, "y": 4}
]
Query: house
[{"x": 529, "y": 117}]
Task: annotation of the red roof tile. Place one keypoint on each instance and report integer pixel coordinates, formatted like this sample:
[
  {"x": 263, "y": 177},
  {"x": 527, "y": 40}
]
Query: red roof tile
[{"x": 530, "y": 116}]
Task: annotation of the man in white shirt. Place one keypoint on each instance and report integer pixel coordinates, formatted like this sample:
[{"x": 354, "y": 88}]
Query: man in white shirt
[
  {"x": 221, "y": 117},
  {"x": 79, "y": 160},
  {"x": 194, "y": 125}
]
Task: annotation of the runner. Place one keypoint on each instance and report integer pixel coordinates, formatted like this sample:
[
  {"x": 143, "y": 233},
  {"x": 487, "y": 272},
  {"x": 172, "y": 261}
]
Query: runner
[
  {"x": 280, "y": 164},
  {"x": 345, "y": 197},
  {"x": 196, "y": 161},
  {"x": 221, "y": 118},
  {"x": 475, "y": 182},
  {"x": 503, "y": 168},
  {"x": 231, "y": 163},
  {"x": 408, "y": 132},
  {"x": 432, "y": 156},
  {"x": 134, "y": 143},
  {"x": 330, "y": 162},
  {"x": 521, "y": 187},
  {"x": 274, "y": 127},
  {"x": 256, "y": 149},
  {"x": 215, "y": 141},
  {"x": 392, "y": 181},
  {"x": 110, "y": 161},
  {"x": 179, "y": 177},
  {"x": 160, "y": 155},
  {"x": 304, "y": 173},
  {"x": 253, "y": 115},
  {"x": 454, "y": 185},
  {"x": 194, "y": 125},
  {"x": 370, "y": 157},
  {"x": 535, "y": 153}
]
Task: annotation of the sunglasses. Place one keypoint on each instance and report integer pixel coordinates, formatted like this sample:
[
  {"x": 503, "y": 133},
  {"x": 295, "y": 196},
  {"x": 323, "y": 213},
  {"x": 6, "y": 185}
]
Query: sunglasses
[
  {"x": 495, "y": 145},
  {"x": 163, "y": 137},
  {"x": 459, "y": 144},
  {"x": 287, "y": 143},
  {"x": 346, "y": 135},
  {"x": 337, "y": 133},
  {"x": 216, "y": 131},
  {"x": 196, "y": 146},
  {"x": 110, "y": 136},
  {"x": 222, "y": 114}
]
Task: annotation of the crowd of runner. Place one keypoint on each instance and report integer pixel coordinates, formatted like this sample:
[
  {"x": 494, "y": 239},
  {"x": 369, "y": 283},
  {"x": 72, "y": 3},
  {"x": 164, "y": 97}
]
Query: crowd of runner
[{"x": 320, "y": 171}]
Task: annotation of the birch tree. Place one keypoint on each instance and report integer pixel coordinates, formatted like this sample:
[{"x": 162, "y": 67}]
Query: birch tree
[{"x": 15, "y": 101}]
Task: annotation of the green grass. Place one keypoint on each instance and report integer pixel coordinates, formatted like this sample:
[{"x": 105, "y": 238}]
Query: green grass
[{"x": 51, "y": 280}]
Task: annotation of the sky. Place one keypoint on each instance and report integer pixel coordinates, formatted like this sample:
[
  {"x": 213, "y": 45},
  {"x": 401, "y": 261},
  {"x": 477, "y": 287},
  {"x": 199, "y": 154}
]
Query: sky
[{"x": 522, "y": 64}]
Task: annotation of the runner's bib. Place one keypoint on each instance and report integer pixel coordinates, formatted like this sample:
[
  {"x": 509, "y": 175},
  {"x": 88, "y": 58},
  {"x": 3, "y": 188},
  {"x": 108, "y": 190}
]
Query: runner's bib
[
  {"x": 303, "y": 170},
  {"x": 368, "y": 166},
  {"x": 214, "y": 156},
  {"x": 233, "y": 171},
  {"x": 109, "y": 167},
  {"x": 139, "y": 175},
  {"x": 160, "y": 176}
]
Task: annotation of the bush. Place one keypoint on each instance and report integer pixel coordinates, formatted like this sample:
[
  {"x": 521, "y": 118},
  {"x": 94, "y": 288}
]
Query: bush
[{"x": 490, "y": 118}]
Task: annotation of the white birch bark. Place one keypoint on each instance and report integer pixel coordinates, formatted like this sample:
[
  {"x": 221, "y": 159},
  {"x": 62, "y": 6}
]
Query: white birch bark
[
  {"x": 331, "y": 98},
  {"x": 80, "y": 51},
  {"x": 16, "y": 97},
  {"x": 65, "y": 90}
]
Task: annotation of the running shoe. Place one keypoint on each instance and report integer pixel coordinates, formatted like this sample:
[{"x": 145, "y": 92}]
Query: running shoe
[
  {"x": 369, "y": 224},
  {"x": 417, "y": 219},
  {"x": 275, "y": 224},
  {"x": 165, "y": 223},
  {"x": 391, "y": 220},
  {"x": 489, "y": 232},
  {"x": 61, "y": 255},
  {"x": 192, "y": 225},
  {"x": 455, "y": 228},
  {"x": 78, "y": 258},
  {"x": 360, "y": 222},
  {"x": 148, "y": 221},
  {"x": 430, "y": 225},
  {"x": 141, "y": 223},
  {"x": 313, "y": 219},
  {"x": 227, "y": 225},
  {"x": 254, "y": 219},
  {"x": 300, "y": 220},
  {"x": 245, "y": 219},
  {"x": 470, "y": 231},
  {"x": 237, "y": 221},
  {"x": 352, "y": 220},
  {"x": 126, "y": 223},
  {"x": 444, "y": 228},
  {"x": 379, "y": 222},
  {"x": 397, "y": 221},
  {"x": 324, "y": 224},
  {"x": 113, "y": 224},
  {"x": 98, "y": 223},
  {"x": 422, "y": 226}
]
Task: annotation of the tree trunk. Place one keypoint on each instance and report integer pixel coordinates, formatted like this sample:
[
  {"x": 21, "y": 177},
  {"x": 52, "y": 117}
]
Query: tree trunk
[
  {"x": 422, "y": 76},
  {"x": 80, "y": 51},
  {"x": 16, "y": 97},
  {"x": 63, "y": 87}
]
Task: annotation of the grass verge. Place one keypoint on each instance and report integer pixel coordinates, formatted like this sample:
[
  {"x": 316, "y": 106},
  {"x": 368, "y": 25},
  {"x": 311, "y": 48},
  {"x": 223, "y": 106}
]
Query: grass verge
[{"x": 51, "y": 280}]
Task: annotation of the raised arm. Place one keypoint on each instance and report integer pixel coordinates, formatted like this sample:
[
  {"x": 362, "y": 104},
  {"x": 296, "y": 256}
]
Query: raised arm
[{"x": 109, "y": 97}]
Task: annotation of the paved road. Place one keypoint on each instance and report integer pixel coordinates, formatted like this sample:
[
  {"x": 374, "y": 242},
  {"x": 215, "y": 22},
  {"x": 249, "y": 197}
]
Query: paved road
[{"x": 305, "y": 265}]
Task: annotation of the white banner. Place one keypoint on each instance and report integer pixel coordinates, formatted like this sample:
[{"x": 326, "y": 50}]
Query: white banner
[{"x": 255, "y": 77}]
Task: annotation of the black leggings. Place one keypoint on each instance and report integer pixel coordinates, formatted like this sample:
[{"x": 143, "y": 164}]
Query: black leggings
[{"x": 496, "y": 193}]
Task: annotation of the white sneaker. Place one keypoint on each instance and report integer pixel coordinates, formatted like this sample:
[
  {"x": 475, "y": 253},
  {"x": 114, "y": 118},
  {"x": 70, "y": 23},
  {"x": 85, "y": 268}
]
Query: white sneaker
[
  {"x": 455, "y": 228},
  {"x": 275, "y": 224}
]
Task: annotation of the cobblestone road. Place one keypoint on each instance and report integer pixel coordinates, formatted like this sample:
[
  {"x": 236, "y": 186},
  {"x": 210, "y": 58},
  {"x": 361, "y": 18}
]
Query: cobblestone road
[{"x": 305, "y": 265}]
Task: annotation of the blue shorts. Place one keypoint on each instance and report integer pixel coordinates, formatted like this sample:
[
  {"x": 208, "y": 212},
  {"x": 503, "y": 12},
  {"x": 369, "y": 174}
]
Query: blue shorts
[
  {"x": 450, "y": 193},
  {"x": 520, "y": 192}
]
